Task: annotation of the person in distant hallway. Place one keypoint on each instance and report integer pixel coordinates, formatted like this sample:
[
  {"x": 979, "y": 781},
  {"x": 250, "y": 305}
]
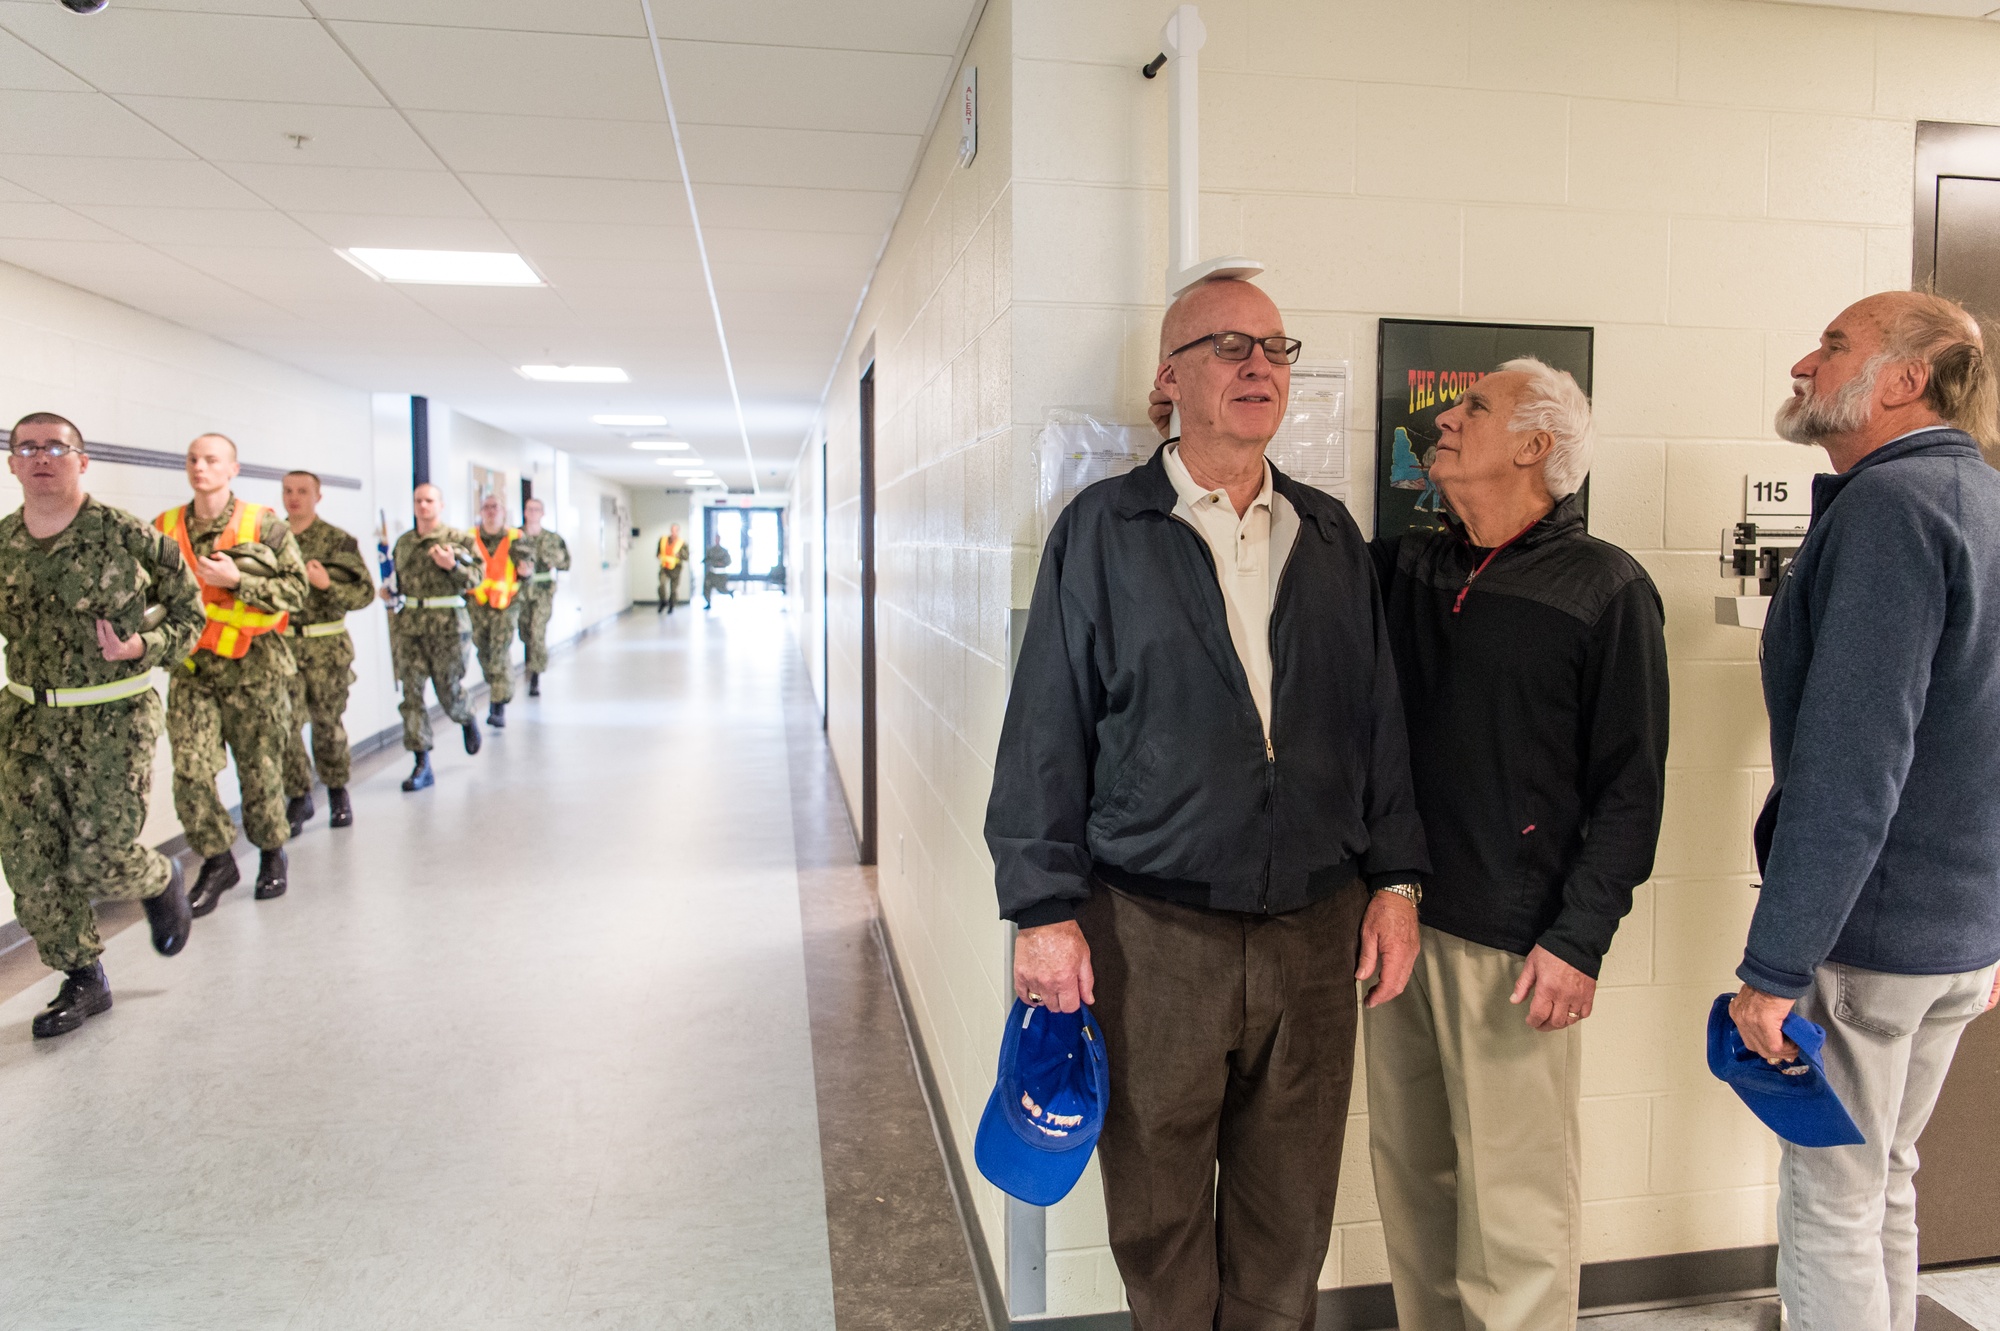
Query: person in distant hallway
[
  {"x": 1533, "y": 664},
  {"x": 79, "y": 719},
  {"x": 324, "y": 654},
  {"x": 1879, "y": 916},
  {"x": 234, "y": 689},
  {"x": 435, "y": 568},
  {"x": 1202, "y": 823},
  {"x": 673, "y": 554},
  {"x": 715, "y": 578},
  {"x": 538, "y": 595},
  {"x": 495, "y": 608}
]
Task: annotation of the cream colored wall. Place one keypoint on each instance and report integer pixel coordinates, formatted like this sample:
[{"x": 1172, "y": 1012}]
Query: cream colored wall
[
  {"x": 937, "y": 319},
  {"x": 1704, "y": 182},
  {"x": 128, "y": 378},
  {"x": 653, "y": 510}
]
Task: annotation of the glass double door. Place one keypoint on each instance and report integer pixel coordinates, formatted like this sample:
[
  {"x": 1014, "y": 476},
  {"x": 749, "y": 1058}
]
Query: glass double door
[{"x": 755, "y": 540}]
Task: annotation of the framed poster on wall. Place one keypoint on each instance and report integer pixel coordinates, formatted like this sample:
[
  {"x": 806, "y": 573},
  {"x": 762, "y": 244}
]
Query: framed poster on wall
[{"x": 1423, "y": 367}]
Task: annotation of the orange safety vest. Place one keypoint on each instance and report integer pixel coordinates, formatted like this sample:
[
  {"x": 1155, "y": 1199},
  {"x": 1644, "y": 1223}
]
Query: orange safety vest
[
  {"x": 671, "y": 550},
  {"x": 232, "y": 623},
  {"x": 497, "y": 587}
]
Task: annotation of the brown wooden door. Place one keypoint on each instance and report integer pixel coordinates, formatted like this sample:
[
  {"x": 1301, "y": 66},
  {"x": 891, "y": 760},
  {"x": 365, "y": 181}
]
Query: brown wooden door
[{"x": 1957, "y": 243}]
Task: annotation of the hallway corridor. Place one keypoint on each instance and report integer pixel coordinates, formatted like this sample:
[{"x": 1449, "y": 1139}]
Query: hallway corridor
[{"x": 527, "y": 1050}]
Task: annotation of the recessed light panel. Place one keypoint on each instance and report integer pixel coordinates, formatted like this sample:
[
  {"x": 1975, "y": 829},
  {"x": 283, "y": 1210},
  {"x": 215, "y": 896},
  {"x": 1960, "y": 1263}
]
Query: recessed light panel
[
  {"x": 466, "y": 268},
  {"x": 628, "y": 420},
  {"x": 663, "y": 446},
  {"x": 576, "y": 374}
]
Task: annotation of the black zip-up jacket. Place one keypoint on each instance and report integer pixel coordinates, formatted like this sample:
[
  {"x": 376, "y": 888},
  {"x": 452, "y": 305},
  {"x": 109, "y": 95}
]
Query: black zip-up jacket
[
  {"x": 1133, "y": 751},
  {"x": 1538, "y": 730}
]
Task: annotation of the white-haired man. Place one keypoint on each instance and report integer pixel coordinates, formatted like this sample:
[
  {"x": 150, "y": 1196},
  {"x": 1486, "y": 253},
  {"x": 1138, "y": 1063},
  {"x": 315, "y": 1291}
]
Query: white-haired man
[
  {"x": 1533, "y": 665},
  {"x": 1880, "y": 841}
]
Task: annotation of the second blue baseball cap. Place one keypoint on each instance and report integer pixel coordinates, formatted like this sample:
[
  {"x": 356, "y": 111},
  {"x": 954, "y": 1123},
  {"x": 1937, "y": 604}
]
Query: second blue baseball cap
[
  {"x": 1048, "y": 1104},
  {"x": 1793, "y": 1099}
]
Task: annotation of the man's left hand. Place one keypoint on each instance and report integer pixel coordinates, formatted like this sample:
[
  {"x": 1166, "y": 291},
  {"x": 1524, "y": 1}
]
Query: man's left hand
[
  {"x": 218, "y": 571},
  {"x": 1389, "y": 940},
  {"x": 317, "y": 575},
  {"x": 1760, "y": 1020},
  {"x": 1562, "y": 994}
]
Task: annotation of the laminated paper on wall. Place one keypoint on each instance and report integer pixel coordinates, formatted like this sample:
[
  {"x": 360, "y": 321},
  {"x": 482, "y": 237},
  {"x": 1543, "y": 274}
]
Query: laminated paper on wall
[
  {"x": 1311, "y": 446},
  {"x": 1077, "y": 449}
]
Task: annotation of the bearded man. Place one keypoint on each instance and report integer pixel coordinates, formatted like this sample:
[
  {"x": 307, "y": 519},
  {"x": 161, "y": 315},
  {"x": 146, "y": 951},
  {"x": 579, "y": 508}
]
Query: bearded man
[{"x": 1879, "y": 917}]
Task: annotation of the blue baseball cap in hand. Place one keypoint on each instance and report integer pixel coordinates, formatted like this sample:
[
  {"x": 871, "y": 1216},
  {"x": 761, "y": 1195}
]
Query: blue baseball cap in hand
[
  {"x": 1793, "y": 1099},
  {"x": 1047, "y": 1106}
]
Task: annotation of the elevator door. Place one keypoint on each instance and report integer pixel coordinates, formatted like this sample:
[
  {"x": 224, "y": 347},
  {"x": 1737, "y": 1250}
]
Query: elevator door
[{"x": 1958, "y": 254}]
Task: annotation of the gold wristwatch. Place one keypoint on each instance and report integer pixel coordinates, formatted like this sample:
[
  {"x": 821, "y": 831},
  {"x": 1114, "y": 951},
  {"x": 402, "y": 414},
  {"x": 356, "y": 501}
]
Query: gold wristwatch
[{"x": 1410, "y": 892}]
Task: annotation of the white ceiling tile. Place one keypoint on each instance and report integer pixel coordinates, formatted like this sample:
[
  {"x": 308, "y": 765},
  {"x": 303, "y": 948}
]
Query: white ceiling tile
[
  {"x": 551, "y": 146},
  {"x": 609, "y": 18},
  {"x": 671, "y": 272},
  {"x": 554, "y": 199},
  {"x": 110, "y": 180},
  {"x": 125, "y": 50},
  {"x": 816, "y": 159},
  {"x": 355, "y": 189},
  {"x": 280, "y": 273},
  {"x": 205, "y": 226},
  {"x": 603, "y": 240},
  {"x": 49, "y": 221},
  {"x": 78, "y": 124},
  {"x": 22, "y": 66},
  {"x": 270, "y": 8},
  {"x": 787, "y": 87},
  {"x": 845, "y": 250},
  {"x": 802, "y": 279},
  {"x": 784, "y": 208},
  {"x": 346, "y": 230},
  {"x": 475, "y": 69},
  {"x": 90, "y": 264},
  {"x": 236, "y": 131},
  {"x": 933, "y": 26},
  {"x": 12, "y": 193}
]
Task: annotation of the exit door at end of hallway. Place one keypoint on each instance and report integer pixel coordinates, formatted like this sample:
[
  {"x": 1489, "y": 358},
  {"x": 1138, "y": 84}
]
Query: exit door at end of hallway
[{"x": 755, "y": 540}]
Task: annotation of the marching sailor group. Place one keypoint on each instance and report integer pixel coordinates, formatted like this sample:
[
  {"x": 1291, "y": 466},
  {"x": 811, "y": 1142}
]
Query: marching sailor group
[{"x": 245, "y": 608}]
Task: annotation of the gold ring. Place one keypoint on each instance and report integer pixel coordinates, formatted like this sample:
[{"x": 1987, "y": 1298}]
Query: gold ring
[{"x": 1034, "y": 997}]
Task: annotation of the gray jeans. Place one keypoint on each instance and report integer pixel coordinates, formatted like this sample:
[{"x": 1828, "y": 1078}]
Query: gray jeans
[{"x": 1847, "y": 1215}]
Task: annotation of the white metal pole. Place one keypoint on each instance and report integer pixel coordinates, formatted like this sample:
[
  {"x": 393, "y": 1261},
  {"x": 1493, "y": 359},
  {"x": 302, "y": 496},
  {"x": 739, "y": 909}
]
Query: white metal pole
[{"x": 1182, "y": 39}]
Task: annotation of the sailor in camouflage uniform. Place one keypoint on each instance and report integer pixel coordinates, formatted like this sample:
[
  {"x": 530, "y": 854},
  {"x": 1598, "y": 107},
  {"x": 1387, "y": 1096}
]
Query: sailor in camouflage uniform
[
  {"x": 435, "y": 568},
  {"x": 80, "y": 718},
  {"x": 494, "y": 605},
  {"x": 234, "y": 690},
  {"x": 538, "y": 597},
  {"x": 324, "y": 654}
]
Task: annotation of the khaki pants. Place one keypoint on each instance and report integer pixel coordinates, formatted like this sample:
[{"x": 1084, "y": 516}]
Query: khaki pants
[
  {"x": 1472, "y": 1124},
  {"x": 1847, "y": 1215},
  {"x": 1231, "y": 1044}
]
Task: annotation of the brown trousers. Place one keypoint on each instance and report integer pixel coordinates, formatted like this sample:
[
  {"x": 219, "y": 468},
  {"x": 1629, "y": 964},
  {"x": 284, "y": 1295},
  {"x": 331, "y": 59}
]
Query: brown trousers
[{"x": 1231, "y": 1044}]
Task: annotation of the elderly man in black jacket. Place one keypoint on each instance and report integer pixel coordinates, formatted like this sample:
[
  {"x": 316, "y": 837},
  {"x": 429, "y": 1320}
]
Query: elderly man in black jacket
[
  {"x": 1202, "y": 822},
  {"x": 1533, "y": 666}
]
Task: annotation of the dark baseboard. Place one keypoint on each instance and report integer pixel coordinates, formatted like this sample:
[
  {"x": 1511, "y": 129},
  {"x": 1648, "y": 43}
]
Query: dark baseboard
[{"x": 1682, "y": 1278}]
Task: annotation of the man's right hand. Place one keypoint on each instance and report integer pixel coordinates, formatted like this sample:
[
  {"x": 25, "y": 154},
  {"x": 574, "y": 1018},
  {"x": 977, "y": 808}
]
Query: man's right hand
[
  {"x": 443, "y": 556},
  {"x": 1160, "y": 411},
  {"x": 1052, "y": 967}
]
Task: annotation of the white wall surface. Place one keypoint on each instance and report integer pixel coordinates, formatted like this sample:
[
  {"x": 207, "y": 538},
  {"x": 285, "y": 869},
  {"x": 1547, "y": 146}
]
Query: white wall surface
[
  {"x": 1705, "y": 182},
  {"x": 653, "y": 511}
]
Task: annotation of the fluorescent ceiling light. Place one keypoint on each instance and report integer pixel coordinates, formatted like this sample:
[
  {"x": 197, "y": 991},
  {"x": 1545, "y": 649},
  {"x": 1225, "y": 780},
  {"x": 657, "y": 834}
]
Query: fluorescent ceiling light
[
  {"x": 628, "y": 420},
  {"x": 703, "y": 472},
  {"x": 680, "y": 462},
  {"x": 664, "y": 445},
  {"x": 576, "y": 374},
  {"x": 471, "y": 268}
]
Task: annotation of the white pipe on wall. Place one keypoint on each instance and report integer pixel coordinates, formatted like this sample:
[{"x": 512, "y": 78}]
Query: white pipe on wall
[{"x": 1181, "y": 41}]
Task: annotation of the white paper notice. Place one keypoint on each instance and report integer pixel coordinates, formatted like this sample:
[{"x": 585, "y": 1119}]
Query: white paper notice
[{"x": 1311, "y": 446}]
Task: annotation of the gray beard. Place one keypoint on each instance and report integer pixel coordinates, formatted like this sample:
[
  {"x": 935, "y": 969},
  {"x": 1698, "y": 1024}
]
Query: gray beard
[{"x": 1814, "y": 418}]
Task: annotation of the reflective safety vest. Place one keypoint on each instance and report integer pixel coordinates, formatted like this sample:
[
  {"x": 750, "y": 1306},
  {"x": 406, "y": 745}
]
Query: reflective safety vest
[
  {"x": 498, "y": 581},
  {"x": 232, "y": 623},
  {"x": 672, "y": 551}
]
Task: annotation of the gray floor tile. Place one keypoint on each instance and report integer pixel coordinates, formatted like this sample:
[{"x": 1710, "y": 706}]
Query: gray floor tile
[{"x": 1972, "y": 1293}]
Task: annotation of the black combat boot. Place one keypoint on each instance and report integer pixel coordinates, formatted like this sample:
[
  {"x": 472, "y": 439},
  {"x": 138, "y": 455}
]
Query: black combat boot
[
  {"x": 297, "y": 809},
  {"x": 472, "y": 740},
  {"x": 218, "y": 874},
  {"x": 169, "y": 915},
  {"x": 534, "y": 685},
  {"x": 271, "y": 866},
  {"x": 83, "y": 995},
  {"x": 339, "y": 813},
  {"x": 496, "y": 715},
  {"x": 421, "y": 777}
]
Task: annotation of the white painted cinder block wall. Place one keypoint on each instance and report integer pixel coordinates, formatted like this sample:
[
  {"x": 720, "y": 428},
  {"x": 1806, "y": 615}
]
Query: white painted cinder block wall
[{"x": 1705, "y": 182}]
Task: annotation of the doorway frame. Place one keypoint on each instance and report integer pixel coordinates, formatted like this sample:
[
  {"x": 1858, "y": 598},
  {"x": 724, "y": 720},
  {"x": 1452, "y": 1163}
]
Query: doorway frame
[
  {"x": 865, "y": 835},
  {"x": 1944, "y": 149}
]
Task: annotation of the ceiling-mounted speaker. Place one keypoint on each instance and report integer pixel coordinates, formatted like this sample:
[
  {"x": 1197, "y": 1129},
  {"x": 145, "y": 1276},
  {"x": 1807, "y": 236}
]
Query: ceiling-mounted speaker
[{"x": 85, "y": 6}]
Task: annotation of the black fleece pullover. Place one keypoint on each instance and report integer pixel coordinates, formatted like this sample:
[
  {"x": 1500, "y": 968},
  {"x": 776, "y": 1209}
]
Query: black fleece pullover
[{"x": 1537, "y": 708}]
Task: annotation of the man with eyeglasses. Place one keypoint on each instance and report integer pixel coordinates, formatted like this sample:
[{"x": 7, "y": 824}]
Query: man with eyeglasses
[
  {"x": 1202, "y": 824},
  {"x": 91, "y": 599}
]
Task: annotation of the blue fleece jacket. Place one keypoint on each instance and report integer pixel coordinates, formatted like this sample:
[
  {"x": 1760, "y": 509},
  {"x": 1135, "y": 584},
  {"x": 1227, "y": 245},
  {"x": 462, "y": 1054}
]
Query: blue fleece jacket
[{"x": 1882, "y": 678}]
